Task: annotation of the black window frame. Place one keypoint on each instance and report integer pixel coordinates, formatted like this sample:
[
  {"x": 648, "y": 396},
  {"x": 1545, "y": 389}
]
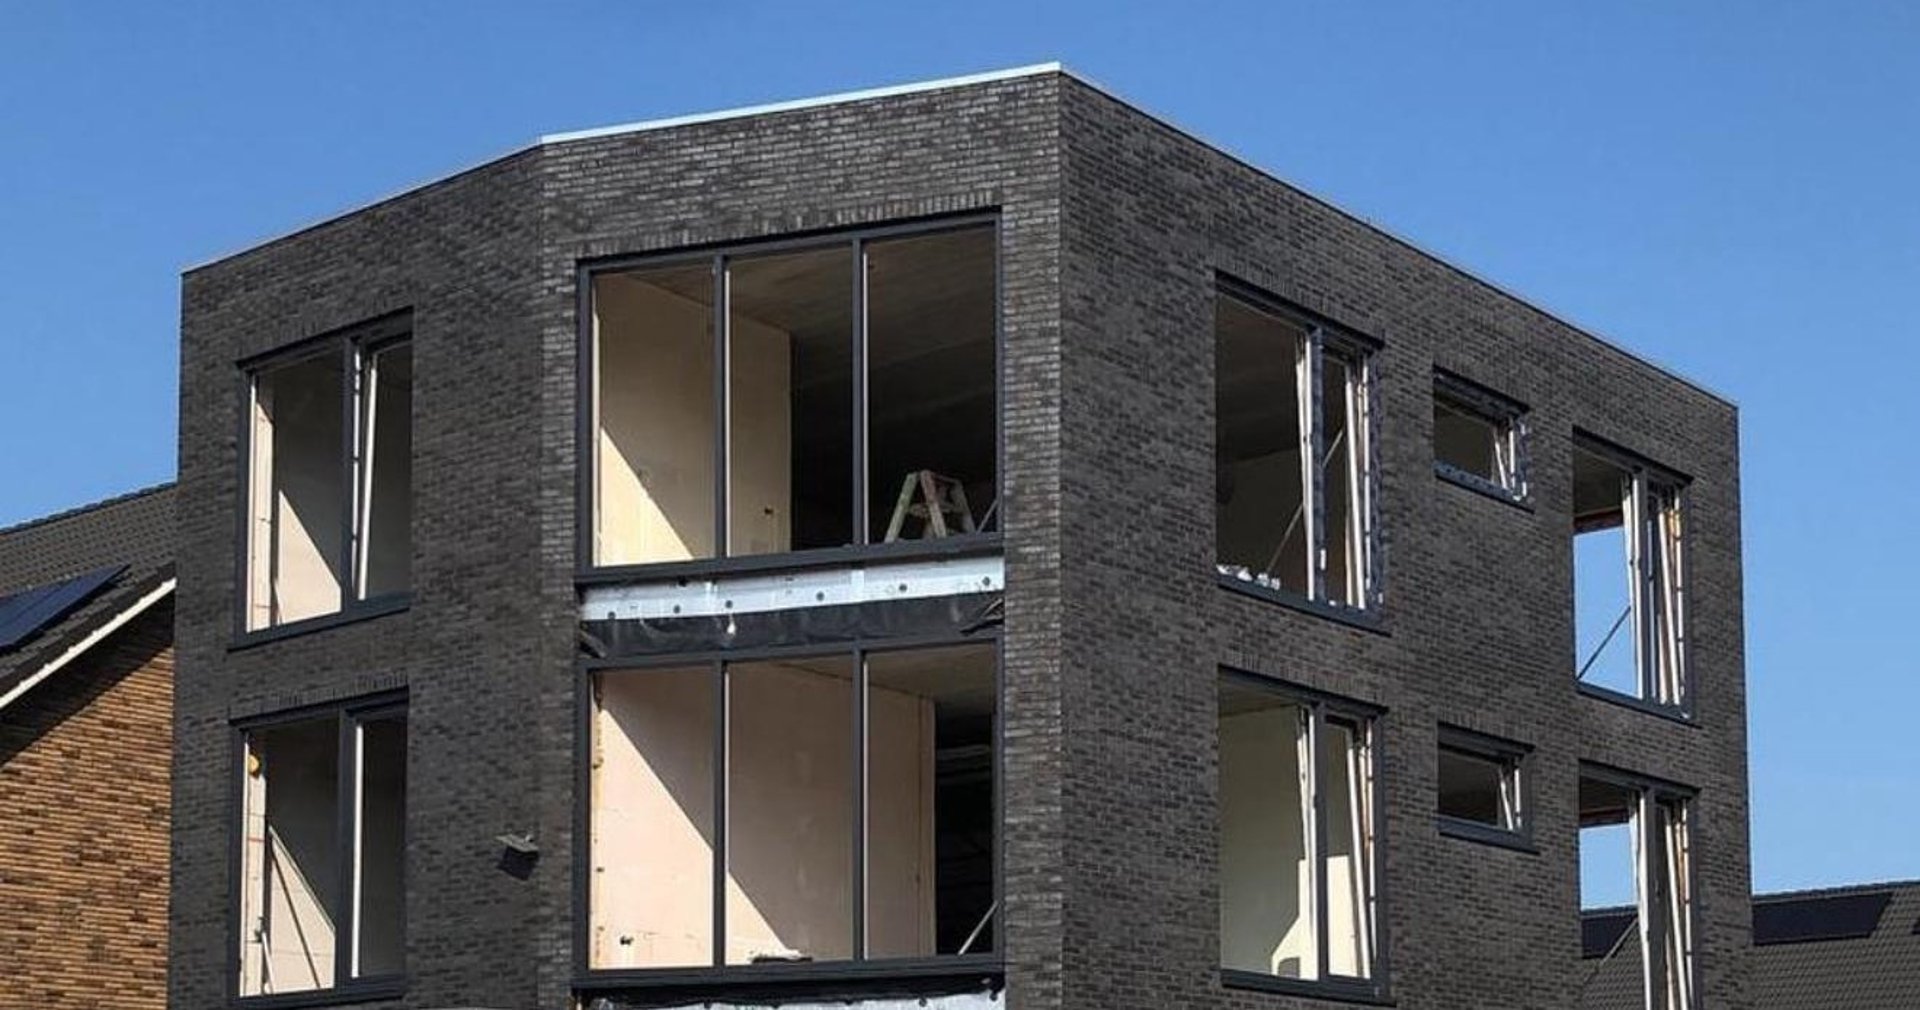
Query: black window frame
[
  {"x": 1514, "y": 760},
  {"x": 1507, "y": 417},
  {"x": 356, "y": 346},
  {"x": 1682, "y": 803},
  {"x": 1362, "y": 353},
  {"x": 1369, "y": 719},
  {"x": 349, "y": 716},
  {"x": 937, "y": 972},
  {"x": 589, "y": 572}
]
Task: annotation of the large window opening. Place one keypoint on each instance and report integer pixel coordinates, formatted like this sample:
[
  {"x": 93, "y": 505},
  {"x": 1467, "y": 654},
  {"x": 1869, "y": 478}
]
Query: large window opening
[
  {"x": 1298, "y": 803},
  {"x": 857, "y": 799},
  {"x": 323, "y": 852},
  {"x": 330, "y": 474},
  {"x": 1293, "y": 471},
  {"x": 832, "y": 396},
  {"x": 1629, "y": 599},
  {"x": 1636, "y": 850}
]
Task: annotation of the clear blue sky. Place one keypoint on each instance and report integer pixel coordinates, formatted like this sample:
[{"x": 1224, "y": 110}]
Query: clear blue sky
[{"x": 1729, "y": 188}]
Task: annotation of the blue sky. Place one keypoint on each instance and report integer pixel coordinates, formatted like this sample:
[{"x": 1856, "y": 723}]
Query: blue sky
[{"x": 1728, "y": 188}]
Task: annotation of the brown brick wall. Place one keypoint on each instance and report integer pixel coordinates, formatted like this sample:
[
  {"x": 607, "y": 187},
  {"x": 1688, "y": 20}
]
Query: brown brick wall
[{"x": 84, "y": 761}]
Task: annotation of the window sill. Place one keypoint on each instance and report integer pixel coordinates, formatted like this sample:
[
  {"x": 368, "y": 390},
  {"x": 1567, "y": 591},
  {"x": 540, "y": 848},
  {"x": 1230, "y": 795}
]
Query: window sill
[
  {"x": 1485, "y": 834},
  {"x": 1361, "y": 619},
  {"x": 365, "y": 610},
  {"x": 1482, "y": 486},
  {"x": 363, "y": 991},
  {"x": 1671, "y": 713},
  {"x": 1341, "y": 990},
  {"x": 825, "y": 557},
  {"x": 818, "y": 980}
]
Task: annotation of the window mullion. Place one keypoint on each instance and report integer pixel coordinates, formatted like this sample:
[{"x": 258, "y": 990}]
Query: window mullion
[
  {"x": 1312, "y": 437},
  {"x": 722, "y": 400},
  {"x": 347, "y": 851},
  {"x": 348, "y": 576},
  {"x": 859, "y": 804},
  {"x": 862, "y": 525},
  {"x": 722, "y": 734},
  {"x": 1317, "y": 839}
]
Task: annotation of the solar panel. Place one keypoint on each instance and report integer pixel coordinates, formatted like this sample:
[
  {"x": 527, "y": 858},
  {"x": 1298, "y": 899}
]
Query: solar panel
[
  {"x": 1601, "y": 931},
  {"x": 26, "y": 612},
  {"x": 1837, "y": 917}
]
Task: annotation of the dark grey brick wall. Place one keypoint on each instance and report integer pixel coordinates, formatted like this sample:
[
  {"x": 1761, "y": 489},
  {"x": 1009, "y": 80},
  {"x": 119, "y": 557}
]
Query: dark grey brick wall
[
  {"x": 487, "y": 262},
  {"x": 1477, "y": 624},
  {"x": 1112, "y": 227}
]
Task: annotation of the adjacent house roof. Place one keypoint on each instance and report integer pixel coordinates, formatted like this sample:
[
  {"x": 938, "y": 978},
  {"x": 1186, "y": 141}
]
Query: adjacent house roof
[
  {"x": 1844, "y": 948},
  {"x": 70, "y": 579}
]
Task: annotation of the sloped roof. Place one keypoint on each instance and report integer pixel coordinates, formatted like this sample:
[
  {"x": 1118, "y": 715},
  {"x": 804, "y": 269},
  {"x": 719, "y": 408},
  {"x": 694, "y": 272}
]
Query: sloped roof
[
  {"x": 133, "y": 532},
  {"x": 1842, "y": 948}
]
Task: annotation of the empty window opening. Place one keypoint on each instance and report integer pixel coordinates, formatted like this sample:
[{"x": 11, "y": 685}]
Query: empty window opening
[
  {"x": 1297, "y": 837},
  {"x": 319, "y": 905},
  {"x": 1293, "y": 473},
  {"x": 857, "y": 399},
  {"x": 810, "y": 862},
  {"x": 1636, "y": 851},
  {"x": 1480, "y": 784},
  {"x": 1628, "y": 589},
  {"x": 655, "y": 425},
  {"x": 297, "y": 551},
  {"x": 330, "y": 474},
  {"x": 930, "y": 385},
  {"x": 1479, "y": 437}
]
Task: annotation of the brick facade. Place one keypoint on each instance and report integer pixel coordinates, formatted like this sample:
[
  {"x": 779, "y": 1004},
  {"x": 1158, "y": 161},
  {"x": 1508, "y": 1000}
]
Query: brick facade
[
  {"x": 1113, "y": 227},
  {"x": 84, "y": 764}
]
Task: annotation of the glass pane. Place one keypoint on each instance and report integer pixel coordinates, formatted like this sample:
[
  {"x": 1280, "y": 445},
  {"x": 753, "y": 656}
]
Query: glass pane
[
  {"x": 931, "y": 832},
  {"x": 790, "y": 780},
  {"x": 289, "y": 878},
  {"x": 655, "y": 424},
  {"x": 380, "y": 894},
  {"x": 1260, "y": 528},
  {"x": 298, "y": 492},
  {"x": 387, "y": 473},
  {"x": 1266, "y": 877},
  {"x": 1471, "y": 786},
  {"x": 1347, "y": 803},
  {"x": 1338, "y": 452},
  {"x": 931, "y": 414},
  {"x": 790, "y": 405},
  {"x": 1466, "y": 441},
  {"x": 652, "y": 824}
]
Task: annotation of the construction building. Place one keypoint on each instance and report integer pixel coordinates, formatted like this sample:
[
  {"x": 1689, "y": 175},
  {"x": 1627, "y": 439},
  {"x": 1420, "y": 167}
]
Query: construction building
[{"x": 956, "y": 545}]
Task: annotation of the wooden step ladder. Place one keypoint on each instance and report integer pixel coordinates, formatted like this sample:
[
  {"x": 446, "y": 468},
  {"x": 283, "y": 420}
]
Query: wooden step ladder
[{"x": 939, "y": 498}]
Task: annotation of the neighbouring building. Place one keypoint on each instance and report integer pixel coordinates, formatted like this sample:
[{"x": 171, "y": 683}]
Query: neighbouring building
[
  {"x": 1839, "y": 948},
  {"x": 86, "y": 729},
  {"x": 956, "y": 545}
]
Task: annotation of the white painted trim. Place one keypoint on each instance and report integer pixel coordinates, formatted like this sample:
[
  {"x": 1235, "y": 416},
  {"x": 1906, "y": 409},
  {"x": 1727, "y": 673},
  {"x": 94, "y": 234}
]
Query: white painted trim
[
  {"x": 825, "y": 587},
  {"x": 74, "y": 651},
  {"x": 838, "y": 98}
]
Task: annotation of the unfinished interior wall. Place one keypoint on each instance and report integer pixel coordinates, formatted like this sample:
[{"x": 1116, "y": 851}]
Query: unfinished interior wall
[
  {"x": 386, "y": 493},
  {"x": 790, "y": 818},
  {"x": 290, "y": 872},
  {"x": 298, "y": 492},
  {"x": 656, "y": 421},
  {"x": 1266, "y": 877}
]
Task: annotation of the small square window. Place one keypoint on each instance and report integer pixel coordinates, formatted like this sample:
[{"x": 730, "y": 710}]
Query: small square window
[
  {"x": 1479, "y": 437},
  {"x": 1481, "y": 789}
]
